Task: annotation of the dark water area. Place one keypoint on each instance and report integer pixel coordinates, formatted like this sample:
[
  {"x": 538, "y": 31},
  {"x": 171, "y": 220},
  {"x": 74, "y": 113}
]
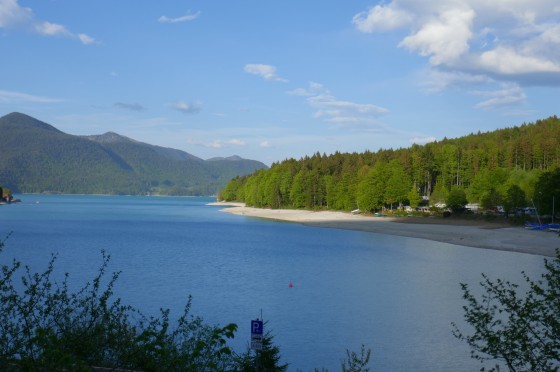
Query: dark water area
[{"x": 396, "y": 295}]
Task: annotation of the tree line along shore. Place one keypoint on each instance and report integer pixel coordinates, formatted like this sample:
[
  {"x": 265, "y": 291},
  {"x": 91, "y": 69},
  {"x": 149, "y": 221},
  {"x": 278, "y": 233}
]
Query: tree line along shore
[{"x": 502, "y": 170}]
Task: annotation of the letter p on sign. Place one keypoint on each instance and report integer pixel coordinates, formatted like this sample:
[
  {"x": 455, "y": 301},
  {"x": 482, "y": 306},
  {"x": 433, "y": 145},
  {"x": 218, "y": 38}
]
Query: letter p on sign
[{"x": 256, "y": 327}]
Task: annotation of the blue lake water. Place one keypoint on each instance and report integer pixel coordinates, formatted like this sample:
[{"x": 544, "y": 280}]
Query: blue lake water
[{"x": 396, "y": 295}]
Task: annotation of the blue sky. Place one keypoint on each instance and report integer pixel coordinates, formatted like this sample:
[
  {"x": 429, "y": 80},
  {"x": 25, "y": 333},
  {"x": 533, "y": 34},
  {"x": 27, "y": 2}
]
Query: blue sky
[{"x": 270, "y": 80}]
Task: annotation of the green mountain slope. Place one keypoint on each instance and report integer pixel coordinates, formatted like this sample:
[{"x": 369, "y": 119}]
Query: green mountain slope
[{"x": 39, "y": 158}]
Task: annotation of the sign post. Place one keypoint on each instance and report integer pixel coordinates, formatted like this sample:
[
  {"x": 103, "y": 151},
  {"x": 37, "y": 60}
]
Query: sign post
[{"x": 256, "y": 334}]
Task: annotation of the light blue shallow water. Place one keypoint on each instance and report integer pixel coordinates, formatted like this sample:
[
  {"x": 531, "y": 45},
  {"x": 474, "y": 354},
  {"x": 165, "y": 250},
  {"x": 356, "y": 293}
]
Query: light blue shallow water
[{"x": 396, "y": 295}]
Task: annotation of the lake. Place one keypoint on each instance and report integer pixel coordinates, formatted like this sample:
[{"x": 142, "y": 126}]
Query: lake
[{"x": 396, "y": 295}]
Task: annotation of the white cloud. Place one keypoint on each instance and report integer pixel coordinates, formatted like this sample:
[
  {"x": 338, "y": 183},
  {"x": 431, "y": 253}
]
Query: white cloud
[
  {"x": 497, "y": 94},
  {"x": 445, "y": 38},
  {"x": 438, "y": 80},
  {"x": 509, "y": 95},
  {"x": 267, "y": 72},
  {"x": 345, "y": 114},
  {"x": 50, "y": 29},
  {"x": 551, "y": 34},
  {"x": 14, "y": 16},
  {"x": 312, "y": 90},
  {"x": 335, "y": 111},
  {"x": 381, "y": 18},
  {"x": 509, "y": 40},
  {"x": 86, "y": 39},
  {"x": 236, "y": 142},
  {"x": 345, "y": 106},
  {"x": 185, "y": 18},
  {"x": 315, "y": 87},
  {"x": 186, "y": 107},
  {"x": 422, "y": 140},
  {"x": 507, "y": 61},
  {"x": 17, "y": 97},
  {"x": 219, "y": 144},
  {"x": 265, "y": 144}
]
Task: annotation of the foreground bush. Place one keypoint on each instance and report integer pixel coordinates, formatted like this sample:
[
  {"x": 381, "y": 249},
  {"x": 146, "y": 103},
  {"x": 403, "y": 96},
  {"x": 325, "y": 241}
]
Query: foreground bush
[
  {"x": 45, "y": 326},
  {"x": 521, "y": 331}
]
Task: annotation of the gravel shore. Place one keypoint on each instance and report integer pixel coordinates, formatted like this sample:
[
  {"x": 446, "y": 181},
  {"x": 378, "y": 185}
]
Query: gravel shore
[{"x": 478, "y": 234}]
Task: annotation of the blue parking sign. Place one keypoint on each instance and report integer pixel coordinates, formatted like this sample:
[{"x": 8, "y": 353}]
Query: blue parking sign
[
  {"x": 256, "y": 327},
  {"x": 256, "y": 334}
]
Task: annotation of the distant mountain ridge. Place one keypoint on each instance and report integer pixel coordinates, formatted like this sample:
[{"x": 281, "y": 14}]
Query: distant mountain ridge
[
  {"x": 37, "y": 157},
  {"x": 230, "y": 158},
  {"x": 109, "y": 137},
  {"x": 112, "y": 138},
  {"x": 26, "y": 121}
]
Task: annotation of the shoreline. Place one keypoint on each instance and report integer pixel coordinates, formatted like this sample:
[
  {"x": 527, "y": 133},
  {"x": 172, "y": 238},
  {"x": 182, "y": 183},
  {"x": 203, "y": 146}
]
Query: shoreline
[{"x": 467, "y": 233}]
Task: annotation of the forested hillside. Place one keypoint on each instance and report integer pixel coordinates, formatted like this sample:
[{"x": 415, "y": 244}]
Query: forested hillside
[
  {"x": 37, "y": 157},
  {"x": 492, "y": 168}
]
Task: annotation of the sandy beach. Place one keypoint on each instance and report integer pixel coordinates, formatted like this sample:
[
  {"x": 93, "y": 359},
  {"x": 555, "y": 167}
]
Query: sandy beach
[{"x": 478, "y": 234}]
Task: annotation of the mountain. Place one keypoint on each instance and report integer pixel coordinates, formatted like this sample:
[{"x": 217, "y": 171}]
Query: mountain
[
  {"x": 112, "y": 138},
  {"x": 37, "y": 157},
  {"x": 230, "y": 158}
]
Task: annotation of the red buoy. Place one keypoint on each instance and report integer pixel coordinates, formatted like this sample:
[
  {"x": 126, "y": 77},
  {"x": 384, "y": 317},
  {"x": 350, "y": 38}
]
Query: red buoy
[{"x": 290, "y": 285}]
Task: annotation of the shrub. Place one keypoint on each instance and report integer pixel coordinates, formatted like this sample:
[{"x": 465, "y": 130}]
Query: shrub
[
  {"x": 521, "y": 331},
  {"x": 45, "y": 326}
]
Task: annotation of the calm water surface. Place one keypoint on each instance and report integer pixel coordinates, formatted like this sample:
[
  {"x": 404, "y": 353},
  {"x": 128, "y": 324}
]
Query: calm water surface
[{"x": 396, "y": 295}]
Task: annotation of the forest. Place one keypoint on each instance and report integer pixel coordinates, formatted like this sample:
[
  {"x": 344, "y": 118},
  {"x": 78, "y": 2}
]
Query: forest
[{"x": 509, "y": 168}]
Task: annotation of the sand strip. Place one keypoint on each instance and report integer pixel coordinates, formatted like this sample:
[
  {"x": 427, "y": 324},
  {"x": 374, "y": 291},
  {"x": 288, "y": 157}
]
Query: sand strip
[{"x": 466, "y": 233}]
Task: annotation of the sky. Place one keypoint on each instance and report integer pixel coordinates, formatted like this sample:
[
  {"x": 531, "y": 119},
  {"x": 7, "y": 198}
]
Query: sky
[{"x": 272, "y": 80}]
